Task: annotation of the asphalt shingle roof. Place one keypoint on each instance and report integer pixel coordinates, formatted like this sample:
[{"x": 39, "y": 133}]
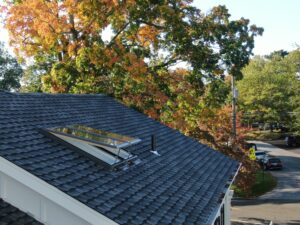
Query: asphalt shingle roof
[
  {"x": 182, "y": 186},
  {"x": 10, "y": 215}
]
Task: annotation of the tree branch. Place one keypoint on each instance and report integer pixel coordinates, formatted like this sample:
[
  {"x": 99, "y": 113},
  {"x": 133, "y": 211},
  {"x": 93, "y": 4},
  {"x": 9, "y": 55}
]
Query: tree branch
[
  {"x": 151, "y": 24},
  {"x": 117, "y": 34}
]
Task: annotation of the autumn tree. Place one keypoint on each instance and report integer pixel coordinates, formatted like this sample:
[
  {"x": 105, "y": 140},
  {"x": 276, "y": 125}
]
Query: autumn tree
[
  {"x": 134, "y": 50},
  {"x": 147, "y": 38},
  {"x": 68, "y": 41},
  {"x": 10, "y": 71}
]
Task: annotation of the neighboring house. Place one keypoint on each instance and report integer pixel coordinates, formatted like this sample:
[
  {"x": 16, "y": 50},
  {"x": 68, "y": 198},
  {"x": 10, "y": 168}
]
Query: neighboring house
[{"x": 88, "y": 159}]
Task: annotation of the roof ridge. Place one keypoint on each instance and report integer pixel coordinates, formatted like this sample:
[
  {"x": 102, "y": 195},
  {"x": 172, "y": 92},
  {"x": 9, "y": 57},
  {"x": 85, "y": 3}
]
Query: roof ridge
[
  {"x": 4, "y": 91},
  {"x": 50, "y": 94}
]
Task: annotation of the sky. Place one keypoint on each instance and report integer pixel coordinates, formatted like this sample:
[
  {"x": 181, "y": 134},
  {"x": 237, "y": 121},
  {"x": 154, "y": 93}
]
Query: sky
[{"x": 279, "y": 18}]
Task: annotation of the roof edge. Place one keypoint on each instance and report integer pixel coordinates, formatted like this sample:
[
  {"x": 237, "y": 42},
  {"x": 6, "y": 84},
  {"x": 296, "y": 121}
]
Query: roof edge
[
  {"x": 213, "y": 217},
  {"x": 50, "y": 94}
]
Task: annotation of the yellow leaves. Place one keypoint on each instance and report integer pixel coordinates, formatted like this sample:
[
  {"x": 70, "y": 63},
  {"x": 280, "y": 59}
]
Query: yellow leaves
[
  {"x": 55, "y": 26},
  {"x": 70, "y": 4},
  {"x": 135, "y": 66},
  {"x": 93, "y": 15},
  {"x": 50, "y": 85},
  {"x": 147, "y": 35},
  {"x": 72, "y": 49},
  {"x": 34, "y": 22}
]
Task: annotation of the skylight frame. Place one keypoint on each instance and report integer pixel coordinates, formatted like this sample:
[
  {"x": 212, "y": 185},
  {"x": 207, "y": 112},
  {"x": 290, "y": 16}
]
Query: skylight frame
[
  {"x": 112, "y": 155},
  {"x": 122, "y": 145},
  {"x": 90, "y": 150}
]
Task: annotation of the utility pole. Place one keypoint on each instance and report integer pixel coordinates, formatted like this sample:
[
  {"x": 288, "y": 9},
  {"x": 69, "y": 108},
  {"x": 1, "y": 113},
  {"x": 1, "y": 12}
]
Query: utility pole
[{"x": 234, "y": 97}]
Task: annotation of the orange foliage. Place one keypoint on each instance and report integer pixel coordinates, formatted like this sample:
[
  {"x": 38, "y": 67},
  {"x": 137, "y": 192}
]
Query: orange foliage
[
  {"x": 38, "y": 25},
  {"x": 147, "y": 35}
]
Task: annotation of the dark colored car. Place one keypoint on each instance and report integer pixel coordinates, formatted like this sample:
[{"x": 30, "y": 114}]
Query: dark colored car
[
  {"x": 272, "y": 163},
  {"x": 251, "y": 145},
  {"x": 292, "y": 141}
]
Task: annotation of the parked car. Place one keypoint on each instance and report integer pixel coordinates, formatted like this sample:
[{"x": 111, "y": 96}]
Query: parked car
[
  {"x": 260, "y": 155},
  {"x": 292, "y": 141},
  {"x": 251, "y": 145},
  {"x": 272, "y": 163}
]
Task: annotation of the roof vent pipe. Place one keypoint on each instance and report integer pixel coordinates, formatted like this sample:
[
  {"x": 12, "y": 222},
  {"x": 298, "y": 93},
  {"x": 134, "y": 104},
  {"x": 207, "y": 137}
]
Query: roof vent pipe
[{"x": 153, "y": 145}]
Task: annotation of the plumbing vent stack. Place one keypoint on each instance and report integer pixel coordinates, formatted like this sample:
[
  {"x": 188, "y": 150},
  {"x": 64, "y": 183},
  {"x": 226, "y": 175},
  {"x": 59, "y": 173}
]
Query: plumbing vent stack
[{"x": 153, "y": 145}]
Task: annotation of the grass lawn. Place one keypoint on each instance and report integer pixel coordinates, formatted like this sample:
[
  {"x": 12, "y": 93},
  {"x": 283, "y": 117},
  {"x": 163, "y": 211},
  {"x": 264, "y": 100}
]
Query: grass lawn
[
  {"x": 264, "y": 135},
  {"x": 264, "y": 182}
]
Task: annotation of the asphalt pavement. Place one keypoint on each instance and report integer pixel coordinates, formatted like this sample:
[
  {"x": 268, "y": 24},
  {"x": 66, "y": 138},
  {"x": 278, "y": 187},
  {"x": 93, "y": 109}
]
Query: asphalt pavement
[
  {"x": 281, "y": 205},
  {"x": 259, "y": 212},
  {"x": 288, "y": 179},
  {"x": 282, "y": 144}
]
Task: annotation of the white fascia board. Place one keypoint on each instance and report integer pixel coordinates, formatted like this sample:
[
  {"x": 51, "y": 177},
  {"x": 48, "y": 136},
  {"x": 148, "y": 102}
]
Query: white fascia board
[
  {"x": 227, "y": 192},
  {"x": 52, "y": 193}
]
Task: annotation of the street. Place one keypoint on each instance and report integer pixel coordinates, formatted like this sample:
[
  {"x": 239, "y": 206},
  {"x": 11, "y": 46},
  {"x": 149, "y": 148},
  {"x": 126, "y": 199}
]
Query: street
[
  {"x": 281, "y": 205},
  {"x": 288, "y": 179},
  {"x": 261, "y": 212},
  {"x": 281, "y": 144}
]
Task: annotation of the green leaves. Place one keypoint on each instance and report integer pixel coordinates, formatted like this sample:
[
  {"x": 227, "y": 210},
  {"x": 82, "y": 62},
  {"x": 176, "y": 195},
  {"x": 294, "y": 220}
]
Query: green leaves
[
  {"x": 152, "y": 35},
  {"x": 165, "y": 58},
  {"x": 270, "y": 86},
  {"x": 10, "y": 71}
]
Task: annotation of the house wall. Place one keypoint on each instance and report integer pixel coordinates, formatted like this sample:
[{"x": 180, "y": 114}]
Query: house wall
[
  {"x": 42, "y": 201},
  {"x": 226, "y": 203},
  {"x": 228, "y": 207}
]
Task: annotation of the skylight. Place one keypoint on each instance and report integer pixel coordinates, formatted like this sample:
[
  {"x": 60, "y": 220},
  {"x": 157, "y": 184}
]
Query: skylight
[{"x": 104, "y": 145}]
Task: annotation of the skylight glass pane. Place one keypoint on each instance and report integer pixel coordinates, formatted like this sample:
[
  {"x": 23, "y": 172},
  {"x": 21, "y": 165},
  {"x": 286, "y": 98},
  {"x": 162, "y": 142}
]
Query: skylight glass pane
[
  {"x": 101, "y": 144},
  {"x": 88, "y": 136},
  {"x": 105, "y": 133},
  {"x": 97, "y": 136}
]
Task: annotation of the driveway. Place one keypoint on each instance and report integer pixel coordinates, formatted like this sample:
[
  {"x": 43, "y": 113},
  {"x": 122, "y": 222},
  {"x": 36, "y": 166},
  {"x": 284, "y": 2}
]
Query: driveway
[
  {"x": 288, "y": 186},
  {"x": 281, "y": 205},
  {"x": 261, "y": 213}
]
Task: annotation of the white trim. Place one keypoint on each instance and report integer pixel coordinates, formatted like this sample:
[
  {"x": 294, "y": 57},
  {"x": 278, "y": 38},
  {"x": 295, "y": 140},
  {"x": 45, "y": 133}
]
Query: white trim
[
  {"x": 228, "y": 192},
  {"x": 52, "y": 193},
  {"x": 2, "y": 187}
]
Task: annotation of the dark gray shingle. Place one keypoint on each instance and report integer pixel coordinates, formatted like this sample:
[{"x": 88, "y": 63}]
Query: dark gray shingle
[{"x": 182, "y": 186}]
